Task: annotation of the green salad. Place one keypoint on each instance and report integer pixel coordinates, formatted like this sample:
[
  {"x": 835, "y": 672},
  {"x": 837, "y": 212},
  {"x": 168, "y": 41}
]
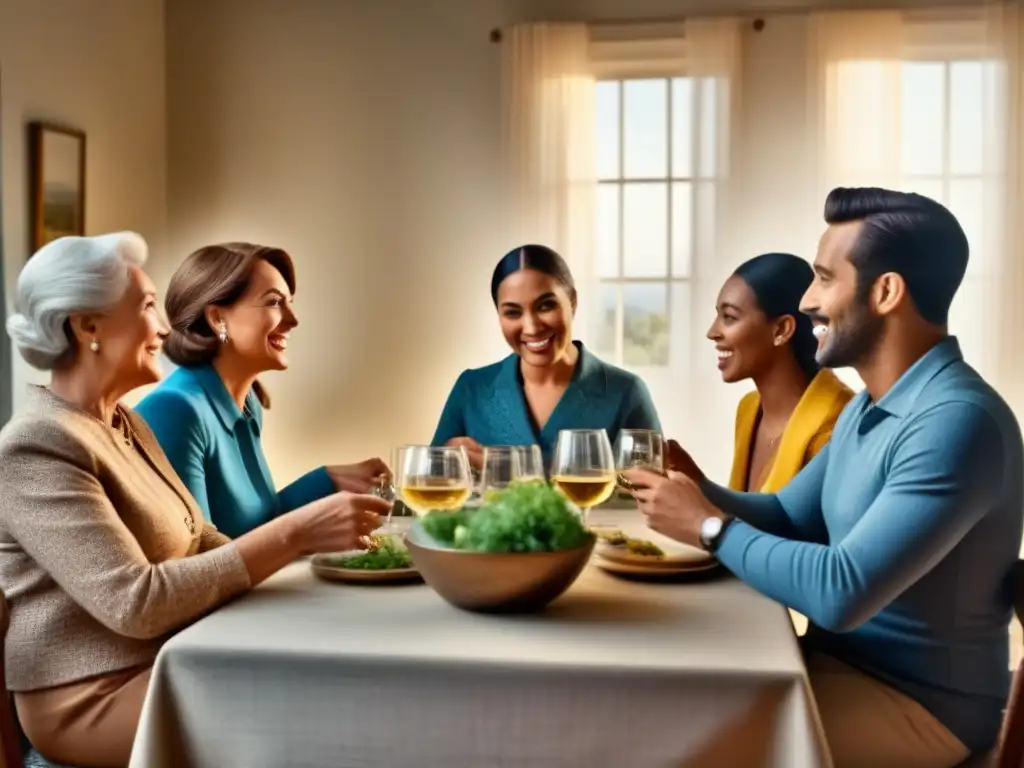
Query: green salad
[
  {"x": 385, "y": 553},
  {"x": 525, "y": 517}
]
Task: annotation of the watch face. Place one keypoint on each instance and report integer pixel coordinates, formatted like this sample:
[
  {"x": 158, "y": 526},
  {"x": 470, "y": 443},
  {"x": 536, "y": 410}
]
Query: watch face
[{"x": 710, "y": 529}]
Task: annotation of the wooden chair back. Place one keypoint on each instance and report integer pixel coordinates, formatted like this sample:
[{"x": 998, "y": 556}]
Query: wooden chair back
[
  {"x": 10, "y": 736},
  {"x": 1010, "y": 751}
]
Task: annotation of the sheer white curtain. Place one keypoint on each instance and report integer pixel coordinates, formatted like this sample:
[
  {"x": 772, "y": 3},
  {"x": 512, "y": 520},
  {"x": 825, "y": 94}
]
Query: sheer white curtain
[
  {"x": 929, "y": 102},
  {"x": 667, "y": 150},
  {"x": 548, "y": 145},
  {"x": 550, "y": 164},
  {"x": 699, "y": 408}
]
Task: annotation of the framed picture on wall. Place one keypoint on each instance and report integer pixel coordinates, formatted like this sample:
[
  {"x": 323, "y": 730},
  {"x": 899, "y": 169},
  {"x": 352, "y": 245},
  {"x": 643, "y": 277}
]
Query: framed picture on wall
[{"x": 57, "y": 182}]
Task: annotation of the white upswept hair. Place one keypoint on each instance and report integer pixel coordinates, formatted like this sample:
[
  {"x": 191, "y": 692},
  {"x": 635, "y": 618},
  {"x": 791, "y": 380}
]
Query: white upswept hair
[{"x": 67, "y": 276}]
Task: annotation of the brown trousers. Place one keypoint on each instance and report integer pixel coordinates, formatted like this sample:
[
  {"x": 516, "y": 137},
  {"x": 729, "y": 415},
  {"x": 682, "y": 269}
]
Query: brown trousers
[
  {"x": 870, "y": 725},
  {"x": 91, "y": 723}
]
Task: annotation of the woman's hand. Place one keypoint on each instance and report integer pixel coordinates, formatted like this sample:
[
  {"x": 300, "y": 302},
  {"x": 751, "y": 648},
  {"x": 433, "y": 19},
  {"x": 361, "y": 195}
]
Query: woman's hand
[
  {"x": 474, "y": 450},
  {"x": 359, "y": 478},
  {"x": 336, "y": 523},
  {"x": 678, "y": 460}
]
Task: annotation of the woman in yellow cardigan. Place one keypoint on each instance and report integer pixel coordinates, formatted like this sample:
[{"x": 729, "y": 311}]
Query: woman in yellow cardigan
[{"x": 760, "y": 334}]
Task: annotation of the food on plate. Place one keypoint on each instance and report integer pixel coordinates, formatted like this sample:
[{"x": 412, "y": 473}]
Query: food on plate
[
  {"x": 614, "y": 537},
  {"x": 385, "y": 553},
  {"x": 525, "y": 517},
  {"x": 640, "y": 547},
  {"x": 644, "y": 548}
]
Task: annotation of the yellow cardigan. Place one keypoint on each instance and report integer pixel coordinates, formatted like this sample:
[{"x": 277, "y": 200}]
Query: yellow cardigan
[{"x": 807, "y": 432}]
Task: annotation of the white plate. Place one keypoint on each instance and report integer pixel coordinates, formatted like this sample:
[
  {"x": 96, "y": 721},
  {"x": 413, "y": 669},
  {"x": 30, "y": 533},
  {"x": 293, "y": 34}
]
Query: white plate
[
  {"x": 669, "y": 561},
  {"x": 323, "y": 566},
  {"x": 677, "y": 555},
  {"x": 629, "y": 569}
]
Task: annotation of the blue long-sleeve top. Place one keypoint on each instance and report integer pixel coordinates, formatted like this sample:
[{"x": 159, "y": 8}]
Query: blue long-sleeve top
[
  {"x": 215, "y": 448},
  {"x": 899, "y": 539},
  {"x": 488, "y": 405}
]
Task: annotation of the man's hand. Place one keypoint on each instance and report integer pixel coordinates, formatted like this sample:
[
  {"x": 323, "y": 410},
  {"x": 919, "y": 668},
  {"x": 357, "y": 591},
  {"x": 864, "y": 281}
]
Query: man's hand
[
  {"x": 673, "y": 505},
  {"x": 679, "y": 460}
]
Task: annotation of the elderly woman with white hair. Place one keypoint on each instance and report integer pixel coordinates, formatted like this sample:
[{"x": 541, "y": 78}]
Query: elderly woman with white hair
[{"x": 103, "y": 552}]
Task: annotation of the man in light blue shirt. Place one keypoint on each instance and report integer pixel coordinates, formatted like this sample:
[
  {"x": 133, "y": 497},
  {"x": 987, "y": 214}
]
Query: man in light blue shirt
[{"x": 899, "y": 540}]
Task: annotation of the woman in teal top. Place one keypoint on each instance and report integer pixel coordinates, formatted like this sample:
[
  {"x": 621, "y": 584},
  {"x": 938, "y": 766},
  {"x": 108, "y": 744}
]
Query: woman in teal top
[
  {"x": 230, "y": 308},
  {"x": 549, "y": 382}
]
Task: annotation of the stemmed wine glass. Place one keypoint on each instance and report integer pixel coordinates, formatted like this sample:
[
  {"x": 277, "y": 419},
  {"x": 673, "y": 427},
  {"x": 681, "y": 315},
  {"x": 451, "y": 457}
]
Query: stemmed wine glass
[
  {"x": 501, "y": 467},
  {"x": 385, "y": 488},
  {"x": 583, "y": 467},
  {"x": 531, "y": 463},
  {"x": 643, "y": 448},
  {"x": 433, "y": 478}
]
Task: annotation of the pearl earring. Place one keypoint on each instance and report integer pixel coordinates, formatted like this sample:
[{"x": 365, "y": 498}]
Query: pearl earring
[
  {"x": 94, "y": 345},
  {"x": 778, "y": 341},
  {"x": 222, "y": 333}
]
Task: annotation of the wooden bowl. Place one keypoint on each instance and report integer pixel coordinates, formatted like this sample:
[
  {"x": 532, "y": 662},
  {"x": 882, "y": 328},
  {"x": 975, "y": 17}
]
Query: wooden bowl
[{"x": 497, "y": 583}]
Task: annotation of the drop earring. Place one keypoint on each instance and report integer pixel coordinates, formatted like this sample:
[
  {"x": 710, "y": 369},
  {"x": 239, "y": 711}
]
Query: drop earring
[
  {"x": 222, "y": 333},
  {"x": 94, "y": 345}
]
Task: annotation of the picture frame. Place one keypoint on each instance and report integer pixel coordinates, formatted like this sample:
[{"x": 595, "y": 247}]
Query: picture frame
[{"x": 57, "y": 182}]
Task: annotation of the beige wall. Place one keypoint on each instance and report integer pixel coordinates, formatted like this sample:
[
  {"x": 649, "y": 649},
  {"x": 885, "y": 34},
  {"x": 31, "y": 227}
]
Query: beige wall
[
  {"x": 97, "y": 65},
  {"x": 366, "y": 142}
]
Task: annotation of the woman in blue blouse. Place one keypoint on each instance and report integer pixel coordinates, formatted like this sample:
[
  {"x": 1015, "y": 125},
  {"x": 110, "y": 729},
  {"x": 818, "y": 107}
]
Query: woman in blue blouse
[
  {"x": 549, "y": 382},
  {"x": 230, "y": 309}
]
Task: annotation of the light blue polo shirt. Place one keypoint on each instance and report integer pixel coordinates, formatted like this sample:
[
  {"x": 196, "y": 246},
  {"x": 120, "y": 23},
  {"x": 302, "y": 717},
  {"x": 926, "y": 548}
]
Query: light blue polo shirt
[
  {"x": 215, "y": 449},
  {"x": 898, "y": 541}
]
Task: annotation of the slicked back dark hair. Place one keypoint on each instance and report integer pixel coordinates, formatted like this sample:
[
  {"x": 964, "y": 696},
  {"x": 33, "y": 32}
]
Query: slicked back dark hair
[
  {"x": 536, "y": 257},
  {"x": 778, "y": 282},
  {"x": 909, "y": 234}
]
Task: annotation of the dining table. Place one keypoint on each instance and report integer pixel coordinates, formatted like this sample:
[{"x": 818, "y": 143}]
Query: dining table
[{"x": 306, "y": 673}]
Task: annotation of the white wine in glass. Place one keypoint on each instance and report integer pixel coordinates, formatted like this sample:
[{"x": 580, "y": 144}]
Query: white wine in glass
[
  {"x": 583, "y": 468},
  {"x": 433, "y": 478}
]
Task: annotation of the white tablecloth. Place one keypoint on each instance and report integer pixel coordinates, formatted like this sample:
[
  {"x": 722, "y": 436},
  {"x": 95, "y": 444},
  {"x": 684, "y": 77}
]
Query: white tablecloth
[{"x": 306, "y": 673}]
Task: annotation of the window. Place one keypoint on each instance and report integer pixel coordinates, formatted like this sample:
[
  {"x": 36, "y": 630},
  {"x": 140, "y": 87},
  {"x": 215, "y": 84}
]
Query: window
[
  {"x": 942, "y": 139},
  {"x": 942, "y": 153},
  {"x": 656, "y": 163},
  {"x": 943, "y": 113}
]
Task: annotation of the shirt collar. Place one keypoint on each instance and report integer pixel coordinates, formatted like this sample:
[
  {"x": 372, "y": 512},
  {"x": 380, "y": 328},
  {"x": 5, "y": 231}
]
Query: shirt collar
[
  {"x": 588, "y": 374},
  {"x": 224, "y": 406},
  {"x": 899, "y": 400}
]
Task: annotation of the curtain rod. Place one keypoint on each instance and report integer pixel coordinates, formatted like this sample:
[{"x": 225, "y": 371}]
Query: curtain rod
[{"x": 759, "y": 15}]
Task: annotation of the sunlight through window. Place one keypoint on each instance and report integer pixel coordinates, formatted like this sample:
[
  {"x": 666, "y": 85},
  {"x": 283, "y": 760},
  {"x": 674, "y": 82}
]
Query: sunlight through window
[{"x": 656, "y": 158}]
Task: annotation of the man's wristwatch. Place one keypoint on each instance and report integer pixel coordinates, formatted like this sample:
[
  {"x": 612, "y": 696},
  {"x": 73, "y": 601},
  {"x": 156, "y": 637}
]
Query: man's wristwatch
[{"x": 712, "y": 529}]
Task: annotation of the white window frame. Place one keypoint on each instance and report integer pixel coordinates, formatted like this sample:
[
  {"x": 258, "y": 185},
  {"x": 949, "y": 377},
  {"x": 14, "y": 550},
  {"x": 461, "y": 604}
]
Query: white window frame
[
  {"x": 695, "y": 182},
  {"x": 946, "y": 177}
]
